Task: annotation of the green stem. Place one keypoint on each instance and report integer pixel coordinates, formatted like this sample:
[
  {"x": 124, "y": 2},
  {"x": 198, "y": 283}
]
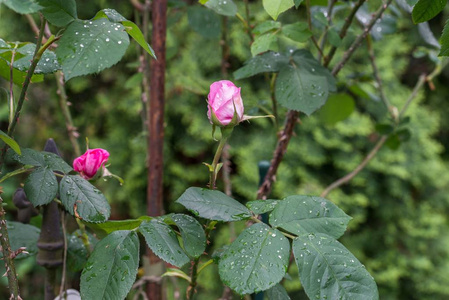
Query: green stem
[
  {"x": 14, "y": 173},
  {"x": 84, "y": 237},
  {"x": 214, "y": 172},
  {"x": 36, "y": 57},
  {"x": 209, "y": 262}
]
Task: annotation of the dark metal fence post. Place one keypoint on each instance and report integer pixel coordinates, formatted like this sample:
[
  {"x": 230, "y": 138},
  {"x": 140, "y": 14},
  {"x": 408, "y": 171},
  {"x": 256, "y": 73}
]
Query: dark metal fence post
[{"x": 51, "y": 241}]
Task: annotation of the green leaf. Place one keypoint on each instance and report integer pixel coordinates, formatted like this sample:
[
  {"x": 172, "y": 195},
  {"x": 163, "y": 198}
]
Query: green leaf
[
  {"x": 163, "y": 242},
  {"x": 59, "y": 12},
  {"x": 85, "y": 47},
  {"x": 297, "y": 3},
  {"x": 266, "y": 26},
  {"x": 10, "y": 142},
  {"x": 18, "y": 76},
  {"x": 334, "y": 37},
  {"x": 337, "y": 108},
  {"x": 105, "y": 228},
  {"x": 82, "y": 200},
  {"x": 204, "y": 21},
  {"x": 134, "y": 31},
  {"x": 28, "y": 157},
  {"x": 277, "y": 292},
  {"x": 266, "y": 62},
  {"x": 444, "y": 40},
  {"x": 223, "y": 7},
  {"x": 77, "y": 254},
  {"x": 41, "y": 159},
  {"x": 112, "y": 267},
  {"x": 320, "y": 17},
  {"x": 305, "y": 60},
  {"x": 384, "y": 128},
  {"x": 304, "y": 85},
  {"x": 327, "y": 270},
  {"x": 261, "y": 206},
  {"x": 110, "y": 14},
  {"x": 275, "y": 7},
  {"x": 425, "y": 10},
  {"x": 41, "y": 186},
  {"x": 47, "y": 64},
  {"x": 308, "y": 214},
  {"x": 264, "y": 43},
  {"x": 213, "y": 205},
  {"x": 256, "y": 260},
  {"x": 300, "y": 91},
  {"x": 55, "y": 162},
  {"x": 22, "y": 6},
  {"x": 298, "y": 32},
  {"x": 192, "y": 234},
  {"x": 22, "y": 235},
  {"x": 7, "y": 50}
]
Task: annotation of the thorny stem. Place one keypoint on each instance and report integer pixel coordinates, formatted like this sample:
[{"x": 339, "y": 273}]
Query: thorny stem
[
  {"x": 8, "y": 256},
  {"x": 210, "y": 225},
  {"x": 64, "y": 261},
  {"x": 11, "y": 85},
  {"x": 376, "y": 74},
  {"x": 6, "y": 246},
  {"x": 358, "y": 41},
  {"x": 249, "y": 29},
  {"x": 309, "y": 22},
  {"x": 273, "y": 100},
  {"x": 357, "y": 170},
  {"x": 330, "y": 8},
  {"x": 71, "y": 129},
  {"x": 278, "y": 155},
  {"x": 36, "y": 57},
  {"x": 343, "y": 31},
  {"x": 348, "y": 177}
]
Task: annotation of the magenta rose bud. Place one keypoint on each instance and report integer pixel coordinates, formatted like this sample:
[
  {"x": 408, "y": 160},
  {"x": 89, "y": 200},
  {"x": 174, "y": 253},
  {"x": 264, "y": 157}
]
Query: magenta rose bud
[
  {"x": 90, "y": 162},
  {"x": 225, "y": 104}
]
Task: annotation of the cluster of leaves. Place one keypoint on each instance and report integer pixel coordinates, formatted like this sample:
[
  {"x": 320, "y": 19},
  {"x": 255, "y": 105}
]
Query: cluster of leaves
[
  {"x": 80, "y": 198},
  {"x": 257, "y": 260},
  {"x": 84, "y": 47},
  {"x": 331, "y": 151}
]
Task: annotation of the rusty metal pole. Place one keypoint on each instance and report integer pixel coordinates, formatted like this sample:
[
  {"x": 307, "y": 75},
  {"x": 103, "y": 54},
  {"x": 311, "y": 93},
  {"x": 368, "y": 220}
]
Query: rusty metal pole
[
  {"x": 51, "y": 241},
  {"x": 156, "y": 127}
]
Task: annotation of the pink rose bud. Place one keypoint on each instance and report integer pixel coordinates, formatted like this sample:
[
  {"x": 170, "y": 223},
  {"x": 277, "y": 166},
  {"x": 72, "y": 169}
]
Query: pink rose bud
[
  {"x": 225, "y": 104},
  {"x": 90, "y": 162}
]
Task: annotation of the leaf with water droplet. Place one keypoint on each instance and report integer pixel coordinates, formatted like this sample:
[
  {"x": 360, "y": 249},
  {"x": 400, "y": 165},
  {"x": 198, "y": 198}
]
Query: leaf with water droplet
[
  {"x": 107, "y": 275},
  {"x": 192, "y": 234},
  {"x": 222, "y": 7},
  {"x": 301, "y": 214},
  {"x": 90, "y": 203},
  {"x": 163, "y": 241},
  {"x": 324, "y": 265},
  {"x": 77, "y": 254},
  {"x": 277, "y": 292},
  {"x": 213, "y": 205},
  {"x": 96, "y": 54},
  {"x": 247, "y": 267},
  {"x": 262, "y": 206},
  {"x": 41, "y": 186},
  {"x": 57, "y": 12}
]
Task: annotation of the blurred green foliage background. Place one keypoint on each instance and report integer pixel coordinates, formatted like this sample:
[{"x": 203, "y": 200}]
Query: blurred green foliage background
[{"x": 399, "y": 202}]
